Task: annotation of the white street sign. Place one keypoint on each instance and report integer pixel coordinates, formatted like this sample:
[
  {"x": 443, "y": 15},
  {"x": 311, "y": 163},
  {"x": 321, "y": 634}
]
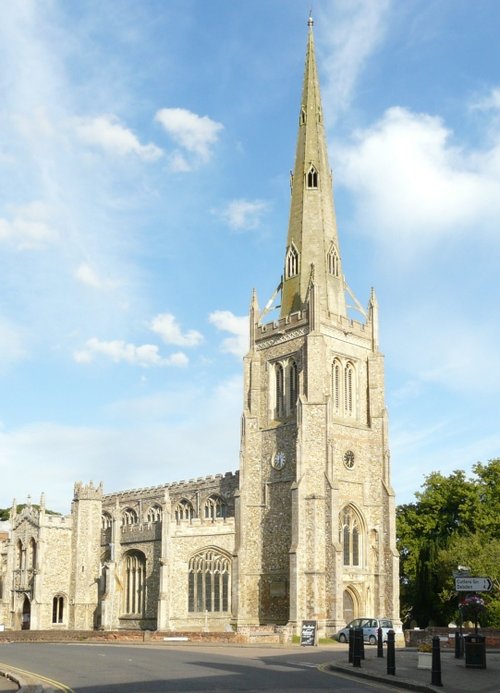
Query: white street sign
[{"x": 473, "y": 584}]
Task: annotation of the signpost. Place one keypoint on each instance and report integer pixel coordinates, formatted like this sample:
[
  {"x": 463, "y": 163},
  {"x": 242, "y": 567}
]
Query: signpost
[{"x": 473, "y": 584}]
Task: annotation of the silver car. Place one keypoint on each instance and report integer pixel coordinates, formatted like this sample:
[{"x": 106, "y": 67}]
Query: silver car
[{"x": 370, "y": 627}]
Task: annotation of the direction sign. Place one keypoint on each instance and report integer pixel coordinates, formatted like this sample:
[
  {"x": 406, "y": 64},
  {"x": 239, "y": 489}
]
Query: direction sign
[{"x": 473, "y": 584}]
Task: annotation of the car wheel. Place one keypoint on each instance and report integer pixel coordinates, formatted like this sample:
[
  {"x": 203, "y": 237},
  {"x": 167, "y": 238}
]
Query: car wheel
[
  {"x": 342, "y": 638},
  {"x": 372, "y": 640}
]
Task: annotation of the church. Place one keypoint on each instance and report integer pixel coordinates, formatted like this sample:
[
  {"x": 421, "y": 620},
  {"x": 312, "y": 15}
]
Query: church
[{"x": 305, "y": 529}]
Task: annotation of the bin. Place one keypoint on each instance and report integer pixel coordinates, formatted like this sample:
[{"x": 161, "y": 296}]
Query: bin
[{"x": 475, "y": 651}]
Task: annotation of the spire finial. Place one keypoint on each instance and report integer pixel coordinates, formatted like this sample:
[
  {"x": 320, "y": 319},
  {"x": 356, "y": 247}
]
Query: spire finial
[{"x": 310, "y": 21}]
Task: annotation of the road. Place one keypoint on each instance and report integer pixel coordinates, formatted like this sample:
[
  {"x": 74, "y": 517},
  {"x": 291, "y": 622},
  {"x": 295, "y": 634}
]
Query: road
[{"x": 147, "y": 668}]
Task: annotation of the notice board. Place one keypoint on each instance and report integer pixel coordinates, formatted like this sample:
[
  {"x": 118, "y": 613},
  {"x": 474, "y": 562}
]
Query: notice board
[{"x": 308, "y": 633}]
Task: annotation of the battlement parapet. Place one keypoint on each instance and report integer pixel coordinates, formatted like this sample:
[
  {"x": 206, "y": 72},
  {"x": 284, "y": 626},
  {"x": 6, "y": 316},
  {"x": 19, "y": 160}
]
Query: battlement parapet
[
  {"x": 87, "y": 491},
  {"x": 291, "y": 321}
]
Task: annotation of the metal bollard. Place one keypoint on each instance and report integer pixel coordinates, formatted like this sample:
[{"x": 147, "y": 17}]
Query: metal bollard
[
  {"x": 351, "y": 645},
  {"x": 380, "y": 643},
  {"x": 391, "y": 653},
  {"x": 459, "y": 645},
  {"x": 436, "y": 662},
  {"x": 362, "y": 644},
  {"x": 358, "y": 644}
]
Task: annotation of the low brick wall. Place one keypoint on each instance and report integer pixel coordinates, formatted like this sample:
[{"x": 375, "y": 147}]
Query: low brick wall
[
  {"x": 119, "y": 636},
  {"x": 413, "y": 638}
]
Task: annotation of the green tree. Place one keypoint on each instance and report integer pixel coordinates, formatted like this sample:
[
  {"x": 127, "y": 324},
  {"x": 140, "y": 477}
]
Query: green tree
[{"x": 450, "y": 519}]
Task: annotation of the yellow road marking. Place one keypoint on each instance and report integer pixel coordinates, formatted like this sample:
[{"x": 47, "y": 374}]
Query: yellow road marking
[{"x": 55, "y": 684}]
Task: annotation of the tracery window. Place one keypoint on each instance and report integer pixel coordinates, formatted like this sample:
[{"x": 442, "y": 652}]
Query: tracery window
[
  {"x": 312, "y": 178},
  {"x": 134, "y": 593},
  {"x": 333, "y": 261},
  {"x": 292, "y": 385},
  {"x": 106, "y": 520},
  {"x": 58, "y": 609},
  {"x": 350, "y": 536},
  {"x": 348, "y": 388},
  {"x": 208, "y": 581},
  {"x": 336, "y": 386},
  {"x": 129, "y": 517},
  {"x": 285, "y": 383},
  {"x": 154, "y": 514},
  {"x": 214, "y": 507},
  {"x": 291, "y": 262},
  {"x": 184, "y": 510}
]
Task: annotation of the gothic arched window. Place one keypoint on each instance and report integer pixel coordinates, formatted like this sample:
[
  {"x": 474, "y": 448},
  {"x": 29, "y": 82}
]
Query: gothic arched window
[
  {"x": 214, "y": 507},
  {"x": 134, "y": 574},
  {"x": 154, "y": 514},
  {"x": 184, "y": 510},
  {"x": 291, "y": 262},
  {"x": 292, "y": 385},
  {"x": 106, "y": 520},
  {"x": 58, "y": 609},
  {"x": 350, "y": 536},
  {"x": 348, "y": 389},
  {"x": 336, "y": 384},
  {"x": 32, "y": 554},
  {"x": 208, "y": 581},
  {"x": 280, "y": 390},
  {"x": 312, "y": 178},
  {"x": 129, "y": 517},
  {"x": 333, "y": 261}
]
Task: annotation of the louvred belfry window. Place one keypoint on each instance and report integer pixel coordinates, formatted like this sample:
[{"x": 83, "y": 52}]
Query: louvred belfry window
[
  {"x": 312, "y": 178},
  {"x": 291, "y": 263}
]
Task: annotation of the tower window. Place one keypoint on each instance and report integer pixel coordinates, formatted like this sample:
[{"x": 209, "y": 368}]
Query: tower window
[
  {"x": 208, "y": 582},
  {"x": 333, "y": 261},
  {"x": 302, "y": 119},
  {"x": 280, "y": 391},
  {"x": 348, "y": 389},
  {"x": 292, "y": 262},
  {"x": 350, "y": 536},
  {"x": 292, "y": 385},
  {"x": 336, "y": 384},
  {"x": 343, "y": 388},
  {"x": 312, "y": 178}
]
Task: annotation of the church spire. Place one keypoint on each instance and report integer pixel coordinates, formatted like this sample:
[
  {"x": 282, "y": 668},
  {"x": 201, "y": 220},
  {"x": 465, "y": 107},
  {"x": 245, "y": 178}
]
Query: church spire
[{"x": 312, "y": 230}]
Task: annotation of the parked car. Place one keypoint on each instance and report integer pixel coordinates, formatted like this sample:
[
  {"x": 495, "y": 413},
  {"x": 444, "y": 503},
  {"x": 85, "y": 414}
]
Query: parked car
[{"x": 370, "y": 627}]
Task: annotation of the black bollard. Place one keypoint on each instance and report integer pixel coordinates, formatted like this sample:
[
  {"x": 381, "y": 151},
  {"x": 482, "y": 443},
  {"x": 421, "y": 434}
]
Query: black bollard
[
  {"x": 436, "y": 662},
  {"x": 391, "y": 654},
  {"x": 380, "y": 643},
  {"x": 459, "y": 646},
  {"x": 362, "y": 644},
  {"x": 358, "y": 643},
  {"x": 351, "y": 644}
]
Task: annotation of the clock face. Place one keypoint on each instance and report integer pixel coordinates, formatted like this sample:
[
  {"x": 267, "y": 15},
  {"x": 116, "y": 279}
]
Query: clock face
[
  {"x": 279, "y": 460},
  {"x": 349, "y": 459}
]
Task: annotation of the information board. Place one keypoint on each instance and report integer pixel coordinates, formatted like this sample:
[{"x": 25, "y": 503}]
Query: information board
[{"x": 308, "y": 633}]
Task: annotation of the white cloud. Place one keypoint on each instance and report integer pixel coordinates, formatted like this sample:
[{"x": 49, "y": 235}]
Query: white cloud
[
  {"x": 145, "y": 355},
  {"x": 88, "y": 276},
  {"x": 411, "y": 182},
  {"x": 169, "y": 330},
  {"x": 491, "y": 102},
  {"x": 349, "y": 33},
  {"x": 29, "y": 227},
  {"x": 107, "y": 132},
  {"x": 196, "y": 134},
  {"x": 244, "y": 214},
  {"x": 226, "y": 321}
]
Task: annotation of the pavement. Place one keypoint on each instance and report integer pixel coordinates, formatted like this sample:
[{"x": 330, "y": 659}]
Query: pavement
[
  {"x": 455, "y": 677},
  {"x": 7, "y": 685}
]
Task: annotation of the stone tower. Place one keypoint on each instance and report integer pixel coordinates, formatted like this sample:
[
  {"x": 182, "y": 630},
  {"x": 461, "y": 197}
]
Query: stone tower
[{"x": 315, "y": 514}]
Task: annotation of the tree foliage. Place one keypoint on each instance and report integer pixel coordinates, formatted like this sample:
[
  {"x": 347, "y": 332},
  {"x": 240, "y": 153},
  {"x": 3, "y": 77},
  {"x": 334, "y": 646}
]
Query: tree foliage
[{"x": 455, "y": 521}]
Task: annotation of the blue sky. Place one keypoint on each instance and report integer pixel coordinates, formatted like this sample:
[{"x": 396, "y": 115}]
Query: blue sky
[{"x": 145, "y": 151}]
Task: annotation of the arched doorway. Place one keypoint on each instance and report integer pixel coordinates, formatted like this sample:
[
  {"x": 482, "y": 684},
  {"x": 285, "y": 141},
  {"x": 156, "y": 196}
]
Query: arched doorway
[
  {"x": 349, "y": 606},
  {"x": 26, "y": 614}
]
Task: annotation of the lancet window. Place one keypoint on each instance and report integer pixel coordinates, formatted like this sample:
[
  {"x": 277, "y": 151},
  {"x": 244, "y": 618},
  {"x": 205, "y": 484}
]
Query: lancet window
[
  {"x": 343, "y": 388},
  {"x": 292, "y": 262},
  {"x": 58, "y": 609},
  {"x": 209, "y": 581},
  {"x": 134, "y": 574},
  {"x": 333, "y": 261},
  {"x": 312, "y": 178},
  {"x": 285, "y": 388},
  {"x": 184, "y": 510},
  {"x": 32, "y": 554},
  {"x": 350, "y": 536}
]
